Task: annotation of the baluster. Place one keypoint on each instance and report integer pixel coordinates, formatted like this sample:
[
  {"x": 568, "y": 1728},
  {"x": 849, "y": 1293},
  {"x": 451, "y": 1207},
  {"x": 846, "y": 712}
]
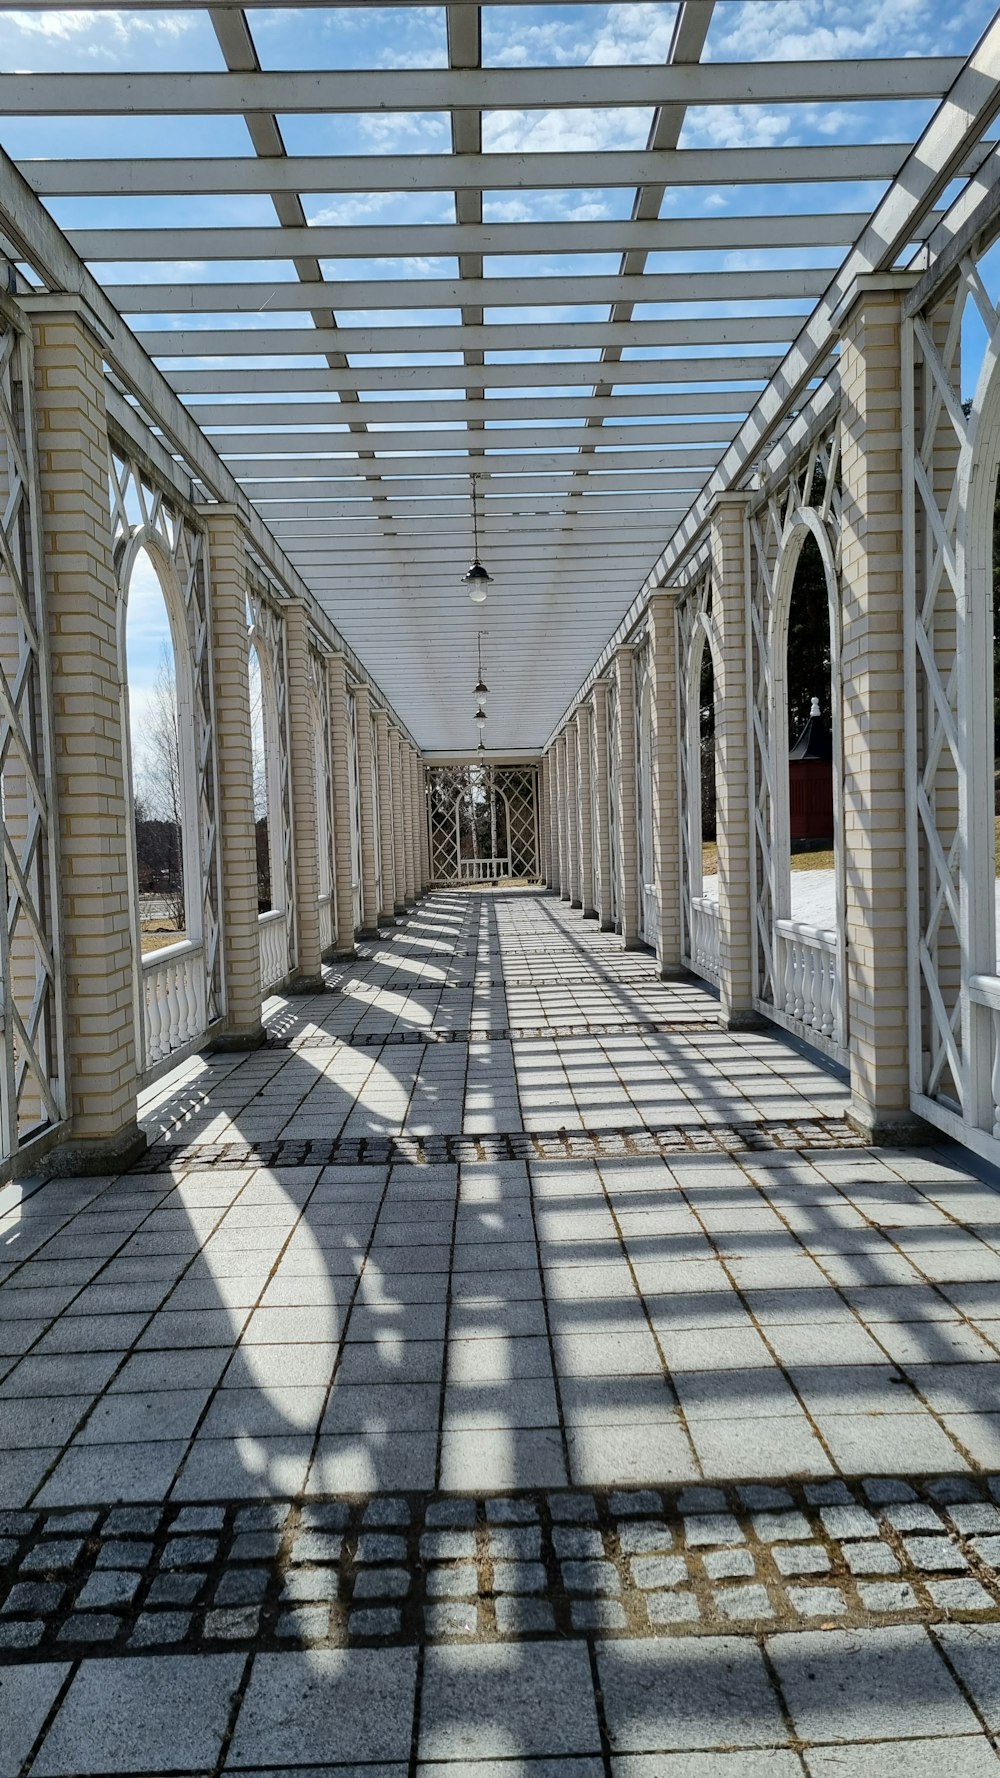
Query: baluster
[
  {"x": 153, "y": 1020},
  {"x": 173, "y": 1008},
  {"x": 788, "y": 976},
  {"x": 829, "y": 985},
  {"x": 810, "y": 985},
  {"x": 800, "y": 978}
]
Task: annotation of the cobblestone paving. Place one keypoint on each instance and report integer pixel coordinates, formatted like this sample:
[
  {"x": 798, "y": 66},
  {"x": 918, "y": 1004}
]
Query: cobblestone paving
[{"x": 504, "y": 1370}]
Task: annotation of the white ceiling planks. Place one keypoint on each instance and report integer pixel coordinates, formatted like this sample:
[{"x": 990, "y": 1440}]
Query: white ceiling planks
[{"x": 589, "y": 329}]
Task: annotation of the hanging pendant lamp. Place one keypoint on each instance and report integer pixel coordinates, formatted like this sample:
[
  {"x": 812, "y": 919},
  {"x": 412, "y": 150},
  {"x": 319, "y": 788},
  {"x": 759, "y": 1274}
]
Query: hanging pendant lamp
[
  {"x": 475, "y": 576},
  {"x": 481, "y": 688}
]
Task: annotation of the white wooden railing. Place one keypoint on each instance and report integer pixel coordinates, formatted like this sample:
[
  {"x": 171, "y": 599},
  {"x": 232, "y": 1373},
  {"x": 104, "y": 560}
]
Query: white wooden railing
[
  {"x": 481, "y": 870},
  {"x": 173, "y": 994},
  {"x": 273, "y": 929},
  {"x": 984, "y": 991},
  {"x": 705, "y": 952},
  {"x": 806, "y": 975},
  {"x": 325, "y": 923}
]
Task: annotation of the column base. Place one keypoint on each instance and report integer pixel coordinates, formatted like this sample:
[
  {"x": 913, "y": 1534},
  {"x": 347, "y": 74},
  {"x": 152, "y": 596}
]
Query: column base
[
  {"x": 305, "y": 984},
  {"x": 606, "y": 926},
  {"x": 674, "y": 972},
  {"x": 113, "y": 1154},
  {"x": 385, "y": 919},
  {"x": 576, "y": 904},
  {"x": 344, "y": 956},
  {"x": 229, "y": 1042},
  {"x": 744, "y": 1019},
  {"x": 890, "y": 1129},
  {"x": 634, "y": 944},
  {"x": 590, "y": 913}
]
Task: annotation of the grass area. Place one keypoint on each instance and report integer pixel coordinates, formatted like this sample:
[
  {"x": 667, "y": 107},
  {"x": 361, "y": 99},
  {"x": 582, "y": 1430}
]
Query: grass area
[
  {"x": 799, "y": 860},
  {"x": 156, "y": 935}
]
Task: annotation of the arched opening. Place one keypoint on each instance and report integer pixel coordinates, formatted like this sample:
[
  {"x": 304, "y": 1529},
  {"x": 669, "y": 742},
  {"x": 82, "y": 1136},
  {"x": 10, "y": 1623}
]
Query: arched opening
[
  {"x": 156, "y": 753},
  {"x": 648, "y": 909},
  {"x": 810, "y": 774},
  {"x": 707, "y": 853},
  {"x": 261, "y": 786}
]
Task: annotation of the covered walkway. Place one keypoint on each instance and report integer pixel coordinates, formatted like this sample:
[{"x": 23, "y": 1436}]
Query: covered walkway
[
  {"x": 499, "y": 1267},
  {"x": 502, "y": 1363}
]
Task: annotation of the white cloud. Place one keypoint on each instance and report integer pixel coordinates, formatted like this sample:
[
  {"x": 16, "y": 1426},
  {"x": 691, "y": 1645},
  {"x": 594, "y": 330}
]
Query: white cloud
[
  {"x": 786, "y": 30},
  {"x": 576, "y": 131}
]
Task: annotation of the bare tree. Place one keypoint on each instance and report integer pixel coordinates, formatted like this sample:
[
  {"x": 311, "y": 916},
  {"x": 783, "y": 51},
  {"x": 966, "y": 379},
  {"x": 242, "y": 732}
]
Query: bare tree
[{"x": 158, "y": 795}]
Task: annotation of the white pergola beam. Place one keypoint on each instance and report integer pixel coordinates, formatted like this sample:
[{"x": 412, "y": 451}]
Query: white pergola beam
[
  {"x": 395, "y": 378},
  {"x": 354, "y": 513},
  {"x": 493, "y": 336},
  {"x": 699, "y": 234},
  {"x": 125, "y": 177},
  {"x": 526, "y": 485},
  {"x": 796, "y": 284},
  {"x": 495, "y": 439},
  {"x": 541, "y": 409},
  {"x": 355, "y": 91},
  {"x": 340, "y": 469}
]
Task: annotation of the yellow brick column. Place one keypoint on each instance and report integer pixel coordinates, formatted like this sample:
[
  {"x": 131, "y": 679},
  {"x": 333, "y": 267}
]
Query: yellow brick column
[
  {"x": 418, "y": 851},
  {"x": 405, "y": 756},
  {"x": 728, "y": 551},
  {"x": 573, "y": 812},
  {"x": 234, "y": 749},
  {"x": 398, "y": 834},
  {"x": 340, "y": 791},
  {"x": 367, "y": 757},
  {"x": 90, "y": 792},
  {"x": 308, "y": 974},
  {"x": 551, "y": 824},
  {"x": 666, "y": 810},
  {"x": 602, "y": 807},
  {"x": 383, "y": 743},
  {"x": 425, "y": 838},
  {"x": 625, "y": 808},
  {"x": 563, "y": 817},
  {"x": 872, "y": 667},
  {"x": 583, "y": 720}
]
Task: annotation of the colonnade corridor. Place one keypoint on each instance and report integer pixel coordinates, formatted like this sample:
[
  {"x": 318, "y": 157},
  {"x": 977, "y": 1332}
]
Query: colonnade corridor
[{"x": 504, "y": 1369}]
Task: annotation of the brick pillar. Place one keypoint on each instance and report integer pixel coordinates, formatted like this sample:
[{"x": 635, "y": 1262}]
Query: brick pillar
[
  {"x": 398, "y": 841},
  {"x": 383, "y": 741},
  {"x": 406, "y": 792},
  {"x": 728, "y": 546},
  {"x": 573, "y": 812},
  {"x": 340, "y": 791},
  {"x": 583, "y": 720},
  {"x": 872, "y": 668},
  {"x": 423, "y": 841},
  {"x": 552, "y": 812},
  {"x": 602, "y": 807},
  {"x": 562, "y": 817},
  {"x": 625, "y": 808},
  {"x": 366, "y": 797},
  {"x": 308, "y": 974},
  {"x": 234, "y": 750},
  {"x": 418, "y": 860},
  {"x": 666, "y": 811},
  {"x": 98, "y": 940}
]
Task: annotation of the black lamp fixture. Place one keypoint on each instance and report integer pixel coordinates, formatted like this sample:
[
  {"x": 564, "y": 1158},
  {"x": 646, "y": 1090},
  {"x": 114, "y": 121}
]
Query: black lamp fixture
[
  {"x": 475, "y": 576},
  {"x": 481, "y": 688}
]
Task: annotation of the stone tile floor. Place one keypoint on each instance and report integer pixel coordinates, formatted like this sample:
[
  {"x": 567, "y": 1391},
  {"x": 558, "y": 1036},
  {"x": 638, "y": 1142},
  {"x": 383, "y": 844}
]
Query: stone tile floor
[{"x": 504, "y": 1370}]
